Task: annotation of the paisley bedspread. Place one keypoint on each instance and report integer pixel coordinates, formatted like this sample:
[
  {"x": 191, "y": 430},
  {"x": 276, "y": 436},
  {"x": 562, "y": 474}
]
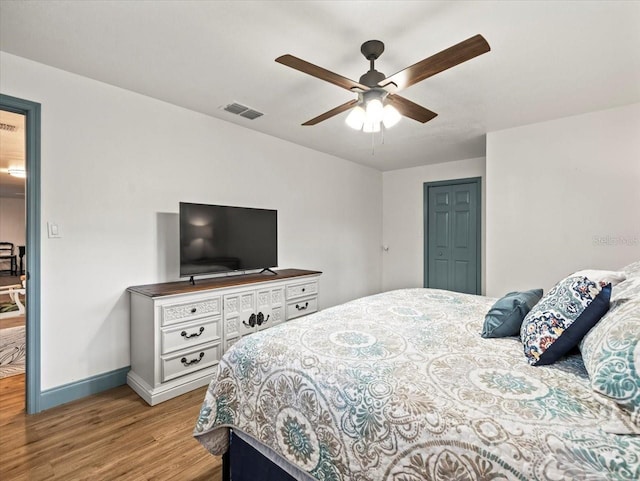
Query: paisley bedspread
[{"x": 400, "y": 386}]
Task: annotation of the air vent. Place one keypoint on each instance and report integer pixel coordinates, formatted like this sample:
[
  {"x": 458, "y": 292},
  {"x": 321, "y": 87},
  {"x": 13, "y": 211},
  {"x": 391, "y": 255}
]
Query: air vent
[
  {"x": 235, "y": 108},
  {"x": 243, "y": 111},
  {"x": 251, "y": 114}
]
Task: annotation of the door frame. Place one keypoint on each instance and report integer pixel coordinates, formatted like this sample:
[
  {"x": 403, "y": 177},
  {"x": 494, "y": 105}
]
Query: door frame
[
  {"x": 425, "y": 214},
  {"x": 31, "y": 111}
]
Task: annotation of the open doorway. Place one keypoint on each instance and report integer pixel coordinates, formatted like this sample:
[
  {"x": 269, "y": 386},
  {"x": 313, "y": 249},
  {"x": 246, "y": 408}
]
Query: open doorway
[
  {"x": 13, "y": 245},
  {"x": 31, "y": 263},
  {"x": 31, "y": 384}
]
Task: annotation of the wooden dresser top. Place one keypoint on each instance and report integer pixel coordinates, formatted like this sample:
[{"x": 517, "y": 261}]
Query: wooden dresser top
[{"x": 183, "y": 287}]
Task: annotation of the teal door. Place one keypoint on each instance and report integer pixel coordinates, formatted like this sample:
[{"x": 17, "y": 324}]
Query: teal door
[{"x": 452, "y": 235}]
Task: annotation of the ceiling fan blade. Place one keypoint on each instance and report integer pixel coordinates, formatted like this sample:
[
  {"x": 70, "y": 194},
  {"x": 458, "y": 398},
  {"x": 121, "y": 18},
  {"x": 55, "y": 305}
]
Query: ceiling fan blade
[
  {"x": 459, "y": 53},
  {"x": 411, "y": 109},
  {"x": 321, "y": 73},
  {"x": 327, "y": 115}
]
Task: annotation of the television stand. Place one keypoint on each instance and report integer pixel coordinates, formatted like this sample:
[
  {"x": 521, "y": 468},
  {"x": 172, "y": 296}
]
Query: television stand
[
  {"x": 180, "y": 331},
  {"x": 266, "y": 269}
]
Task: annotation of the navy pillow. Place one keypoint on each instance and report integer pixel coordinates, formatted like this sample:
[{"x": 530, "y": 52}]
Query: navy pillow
[
  {"x": 562, "y": 318},
  {"x": 506, "y": 315}
]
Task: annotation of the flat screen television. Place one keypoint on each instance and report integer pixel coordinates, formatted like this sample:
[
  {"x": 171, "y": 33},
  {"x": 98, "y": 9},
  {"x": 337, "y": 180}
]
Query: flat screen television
[{"x": 217, "y": 238}]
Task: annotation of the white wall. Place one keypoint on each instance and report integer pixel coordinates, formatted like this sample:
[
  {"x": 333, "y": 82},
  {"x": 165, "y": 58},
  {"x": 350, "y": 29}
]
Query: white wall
[
  {"x": 12, "y": 221},
  {"x": 115, "y": 164},
  {"x": 403, "y": 224},
  {"x": 562, "y": 195}
]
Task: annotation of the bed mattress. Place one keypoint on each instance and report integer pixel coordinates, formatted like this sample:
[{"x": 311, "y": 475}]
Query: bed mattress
[{"x": 401, "y": 386}]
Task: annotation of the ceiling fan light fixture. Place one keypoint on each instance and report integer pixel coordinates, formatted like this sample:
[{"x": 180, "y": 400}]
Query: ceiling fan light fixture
[
  {"x": 390, "y": 116},
  {"x": 356, "y": 118},
  {"x": 375, "y": 111},
  {"x": 17, "y": 172},
  {"x": 371, "y": 127},
  {"x": 374, "y": 114}
]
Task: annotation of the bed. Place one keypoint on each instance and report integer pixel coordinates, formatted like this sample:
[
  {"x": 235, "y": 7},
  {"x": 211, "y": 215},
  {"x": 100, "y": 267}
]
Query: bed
[{"x": 401, "y": 386}]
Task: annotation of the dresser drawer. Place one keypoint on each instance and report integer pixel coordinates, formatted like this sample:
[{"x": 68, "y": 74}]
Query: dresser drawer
[
  {"x": 173, "y": 313},
  {"x": 193, "y": 360},
  {"x": 302, "y": 289},
  {"x": 190, "y": 334},
  {"x": 302, "y": 307}
]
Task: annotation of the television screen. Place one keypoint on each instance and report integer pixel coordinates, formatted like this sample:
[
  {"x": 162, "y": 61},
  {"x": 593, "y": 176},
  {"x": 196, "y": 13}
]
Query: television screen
[{"x": 217, "y": 238}]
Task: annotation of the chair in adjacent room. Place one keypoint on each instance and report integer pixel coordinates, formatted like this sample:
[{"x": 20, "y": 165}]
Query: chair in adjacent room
[
  {"x": 15, "y": 306},
  {"x": 22, "y": 250},
  {"x": 7, "y": 254}
]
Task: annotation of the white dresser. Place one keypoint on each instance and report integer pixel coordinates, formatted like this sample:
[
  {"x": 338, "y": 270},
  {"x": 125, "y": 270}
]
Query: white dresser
[{"x": 180, "y": 331}]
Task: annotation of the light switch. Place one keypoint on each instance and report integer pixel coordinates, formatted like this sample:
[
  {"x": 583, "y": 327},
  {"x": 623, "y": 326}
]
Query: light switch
[{"x": 54, "y": 230}]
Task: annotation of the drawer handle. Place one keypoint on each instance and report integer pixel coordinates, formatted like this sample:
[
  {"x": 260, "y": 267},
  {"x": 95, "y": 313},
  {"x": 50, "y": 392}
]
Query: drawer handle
[
  {"x": 193, "y": 310},
  {"x": 261, "y": 320},
  {"x": 189, "y": 336},
  {"x": 303, "y": 289},
  {"x": 302, "y": 308},
  {"x": 252, "y": 321},
  {"x": 193, "y": 361}
]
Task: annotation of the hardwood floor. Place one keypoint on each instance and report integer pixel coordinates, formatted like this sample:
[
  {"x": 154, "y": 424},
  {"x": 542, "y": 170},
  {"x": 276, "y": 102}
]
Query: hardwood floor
[
  {"x": 114, "y": 435},
  {"x": 6, "y": 280}
]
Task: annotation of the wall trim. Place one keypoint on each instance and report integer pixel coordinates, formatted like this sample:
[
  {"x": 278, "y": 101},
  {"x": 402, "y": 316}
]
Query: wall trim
[{"x": 85, "y": 387}]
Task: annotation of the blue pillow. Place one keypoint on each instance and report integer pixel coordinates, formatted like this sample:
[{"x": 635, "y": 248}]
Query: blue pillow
[
  {"x": 562, "y": 318},
  {"x": 506, "y": 315}
]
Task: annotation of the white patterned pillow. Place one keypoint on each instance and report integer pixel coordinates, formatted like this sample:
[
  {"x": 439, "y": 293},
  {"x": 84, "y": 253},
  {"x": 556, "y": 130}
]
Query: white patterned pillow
[
  {"x": 560, "y": 320},
  {"x": 603, "y": 277},
  {"x": 611, "y": 353},
  {"x": 632, "y": 270},
  {"x": 628, "y": 289}
]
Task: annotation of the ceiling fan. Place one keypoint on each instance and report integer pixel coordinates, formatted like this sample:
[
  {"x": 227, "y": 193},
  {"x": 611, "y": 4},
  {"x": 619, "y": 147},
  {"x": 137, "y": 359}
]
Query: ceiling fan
[{"x": 378, "y": 101}]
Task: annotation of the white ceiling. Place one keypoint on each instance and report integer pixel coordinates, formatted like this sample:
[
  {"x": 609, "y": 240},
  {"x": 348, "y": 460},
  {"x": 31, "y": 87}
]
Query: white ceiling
[{"x": 548, "y": 60}]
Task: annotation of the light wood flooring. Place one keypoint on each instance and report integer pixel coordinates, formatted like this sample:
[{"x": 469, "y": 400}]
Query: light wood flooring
[
  {"x": 114, "y": 435},
  {"x": 6, "y": 280}
]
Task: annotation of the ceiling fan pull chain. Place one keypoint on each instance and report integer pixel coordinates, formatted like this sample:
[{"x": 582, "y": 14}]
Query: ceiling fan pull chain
[{"x": 373, "y": 143}]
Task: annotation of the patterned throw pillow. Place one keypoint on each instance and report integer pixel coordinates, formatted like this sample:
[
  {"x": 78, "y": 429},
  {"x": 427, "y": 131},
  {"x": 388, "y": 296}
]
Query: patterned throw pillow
[
  {"x": 628, "y": 289},
  {"x": 611, "y": 353},
  {"x": 561, "y": 319},
  {"x": 505, "y": 316},
  {"x": 603, "y": 277}
]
